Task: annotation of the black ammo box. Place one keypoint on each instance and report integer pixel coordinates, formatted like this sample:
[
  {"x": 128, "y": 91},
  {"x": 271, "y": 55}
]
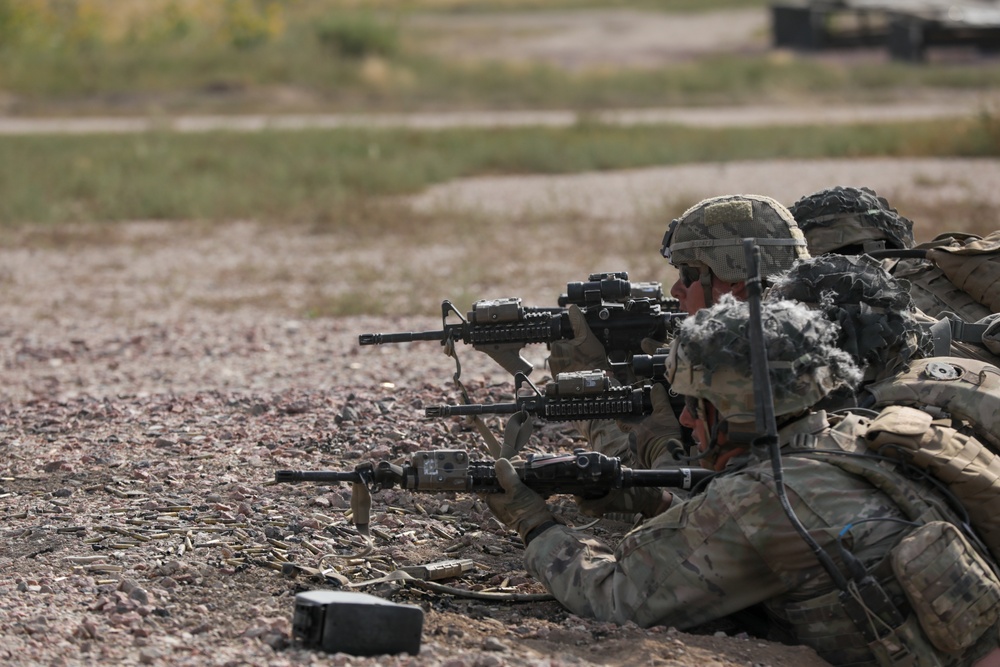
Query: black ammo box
[{"x": 356, "y": 623}]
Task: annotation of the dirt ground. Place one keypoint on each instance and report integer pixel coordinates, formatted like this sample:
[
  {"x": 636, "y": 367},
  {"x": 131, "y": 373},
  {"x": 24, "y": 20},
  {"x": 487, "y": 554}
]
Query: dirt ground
[
  {"x": 153, "y": 379},
  {"x": 139, "y": 433},
  {"x": 588, "y": 39}
]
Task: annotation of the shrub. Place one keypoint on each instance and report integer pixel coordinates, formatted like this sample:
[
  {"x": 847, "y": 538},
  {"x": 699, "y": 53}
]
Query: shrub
[{"x": 358, "y": 36}]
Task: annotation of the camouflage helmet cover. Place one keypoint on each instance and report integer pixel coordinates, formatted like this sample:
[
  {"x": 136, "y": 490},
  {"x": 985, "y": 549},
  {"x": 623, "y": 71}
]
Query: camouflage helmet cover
[
  {"x": 711, "y": 355},
  {"x": 711, "y": 232},
  {"x": 837, "y": 218},
  {"x": 876, "y": 320}
]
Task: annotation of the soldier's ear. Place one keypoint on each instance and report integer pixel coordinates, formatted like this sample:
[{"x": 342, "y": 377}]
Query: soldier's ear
[{"x": 739, "y": 290}]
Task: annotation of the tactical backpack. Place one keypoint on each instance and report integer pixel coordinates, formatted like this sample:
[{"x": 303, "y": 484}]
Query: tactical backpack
[
  {"x": 965, "y": 390},
  {"x": 960, "y": 273}
]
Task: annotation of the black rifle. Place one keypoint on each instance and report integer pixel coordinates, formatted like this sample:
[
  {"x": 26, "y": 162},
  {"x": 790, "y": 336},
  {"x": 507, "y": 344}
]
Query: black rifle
[
  {"x": 586, "y": 474},
  {"x": 571, "y": 396},
  {"x": 501, "y": 327}
]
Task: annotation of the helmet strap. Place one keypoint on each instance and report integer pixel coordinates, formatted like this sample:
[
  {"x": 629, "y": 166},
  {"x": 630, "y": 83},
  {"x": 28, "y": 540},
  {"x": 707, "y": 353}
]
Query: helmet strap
[{"x": 705, "y": 278}]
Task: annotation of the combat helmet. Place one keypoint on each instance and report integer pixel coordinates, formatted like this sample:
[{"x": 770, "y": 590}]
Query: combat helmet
[
  {"x": 712, "y": 233},
  {"x": 711, "y": 358},
  {"x": 850, "y": 221},
  {"x": 877, "y": 322}
]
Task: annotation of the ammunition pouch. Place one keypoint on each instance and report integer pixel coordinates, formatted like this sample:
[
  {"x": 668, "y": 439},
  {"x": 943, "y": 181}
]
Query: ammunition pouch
[{"x": 953, "y": 592}]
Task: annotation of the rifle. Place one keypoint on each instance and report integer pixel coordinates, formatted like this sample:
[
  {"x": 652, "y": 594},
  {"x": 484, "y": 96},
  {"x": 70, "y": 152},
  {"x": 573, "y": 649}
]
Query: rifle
[
  {"x": 501, "y": 327},
  {"x": 571, "y": 396},
  {"x": 587, "y": 474}
]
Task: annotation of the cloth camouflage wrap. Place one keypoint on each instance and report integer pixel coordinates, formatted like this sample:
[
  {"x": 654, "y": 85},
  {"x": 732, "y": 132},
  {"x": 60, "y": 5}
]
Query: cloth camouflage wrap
[
  {"x": 850, "y": 221},
  {"x": 712, "y": 231},
  {"x": 874, "y": 312},
  {"x": 712, "y": 354}
]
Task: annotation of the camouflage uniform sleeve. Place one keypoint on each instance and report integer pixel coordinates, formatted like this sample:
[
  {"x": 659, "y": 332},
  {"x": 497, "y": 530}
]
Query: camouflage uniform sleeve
[
  {"x": 691, "y": 564},
  {"x": 605, "y": 437}
]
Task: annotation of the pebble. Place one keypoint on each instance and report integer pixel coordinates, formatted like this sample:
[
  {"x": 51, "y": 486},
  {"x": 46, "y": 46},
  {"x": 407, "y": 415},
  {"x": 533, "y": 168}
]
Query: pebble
[
  {"x": 139, "y": 595},
  {"x": 150, "y": 654},
  {"x": 493, "y": 644}
]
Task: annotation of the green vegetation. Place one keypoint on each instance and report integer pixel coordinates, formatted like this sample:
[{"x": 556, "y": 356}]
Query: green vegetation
[
  {"x": 102, "y": 56},
  {"x": 333, "y": 179}
]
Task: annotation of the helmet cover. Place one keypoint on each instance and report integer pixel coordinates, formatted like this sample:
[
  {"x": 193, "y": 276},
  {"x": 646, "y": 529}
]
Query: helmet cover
[
  {"x": 835, "y": 219},
  {"x": 874, "y": 313},
  {"x": 712, "y": 232}
]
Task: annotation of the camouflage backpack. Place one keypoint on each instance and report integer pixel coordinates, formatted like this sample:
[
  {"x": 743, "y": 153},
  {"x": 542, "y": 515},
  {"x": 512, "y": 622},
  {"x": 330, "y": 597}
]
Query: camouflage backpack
[
  {"x": 960, "y": 274},
  {"x": 965, "y": 390}
]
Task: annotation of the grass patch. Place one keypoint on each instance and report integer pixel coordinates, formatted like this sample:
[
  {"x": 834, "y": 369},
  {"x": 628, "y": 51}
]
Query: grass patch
[
  {"x": 333, "y": 179},
  {"x": 304, "y": 76},
  {"x": 252, "y": 55}
]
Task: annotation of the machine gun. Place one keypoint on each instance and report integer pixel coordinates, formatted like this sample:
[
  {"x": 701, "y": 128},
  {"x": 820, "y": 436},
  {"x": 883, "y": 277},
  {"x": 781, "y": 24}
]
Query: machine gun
[
  {"x": 502, "y": 327},
  {"x": 586, "y": 474},
  {"x": 571, "y": 396}
]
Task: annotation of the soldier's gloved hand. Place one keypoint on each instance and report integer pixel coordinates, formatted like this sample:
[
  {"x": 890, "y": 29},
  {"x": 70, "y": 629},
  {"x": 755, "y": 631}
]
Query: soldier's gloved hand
[
  {"x": 648, "y": 501},
  {"x": 657, "y": 435},
  {"x": 518, "y": 507},
  {"x": 652, "y": 346},
  {"x": 583, "y": 352}
]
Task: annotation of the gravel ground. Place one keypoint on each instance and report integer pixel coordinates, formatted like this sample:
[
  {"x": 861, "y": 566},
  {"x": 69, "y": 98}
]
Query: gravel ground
[{"x": 140, "y": 428}]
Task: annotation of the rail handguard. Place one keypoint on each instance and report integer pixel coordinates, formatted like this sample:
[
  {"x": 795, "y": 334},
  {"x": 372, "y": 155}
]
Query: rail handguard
[{"x": 579, "y": 395}]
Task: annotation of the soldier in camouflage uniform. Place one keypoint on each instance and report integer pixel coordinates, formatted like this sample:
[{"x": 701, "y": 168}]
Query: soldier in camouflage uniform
[
  {"x": 704, "y": 244},
  {"x": 852, "y": 221},
  {"x": 734, "y": 545}
]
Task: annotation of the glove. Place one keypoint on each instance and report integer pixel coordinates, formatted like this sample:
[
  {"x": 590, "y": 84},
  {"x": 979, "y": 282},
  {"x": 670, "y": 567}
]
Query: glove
[
  {"x": 657, "y": 435},
  {"x": 651, "y": 345},
  {"x": 648, "y": 501},
  {"x": 583, "y": 352},
  {"x": 518, "y": 507}
]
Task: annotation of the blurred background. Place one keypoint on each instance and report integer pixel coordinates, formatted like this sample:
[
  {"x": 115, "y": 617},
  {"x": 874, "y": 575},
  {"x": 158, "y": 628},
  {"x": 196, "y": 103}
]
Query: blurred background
[{"x": 331, "y": 158}]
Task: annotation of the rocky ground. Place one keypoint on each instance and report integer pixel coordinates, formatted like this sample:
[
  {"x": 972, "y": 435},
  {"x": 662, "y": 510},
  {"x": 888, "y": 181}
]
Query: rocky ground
[{"x": 142, "y": 526}]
